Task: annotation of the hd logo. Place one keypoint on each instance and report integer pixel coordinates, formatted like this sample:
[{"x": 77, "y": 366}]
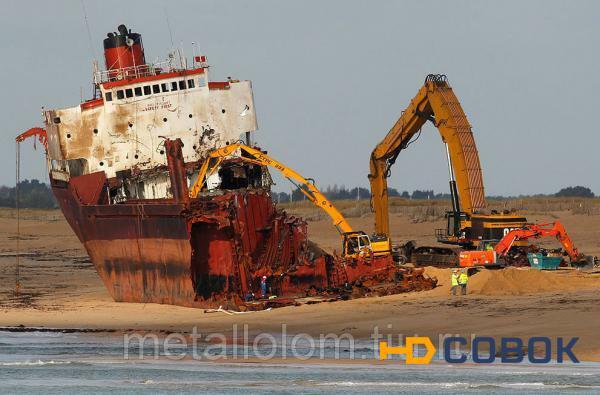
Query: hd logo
[{"x": 510, "y": 350}]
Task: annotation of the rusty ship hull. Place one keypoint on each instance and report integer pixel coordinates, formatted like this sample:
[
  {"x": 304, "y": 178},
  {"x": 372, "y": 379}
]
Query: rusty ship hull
[
  {"x": 214, "y": 250},
  {"x": 120, "y": 165},
  {"x": 209, "y": 253}
]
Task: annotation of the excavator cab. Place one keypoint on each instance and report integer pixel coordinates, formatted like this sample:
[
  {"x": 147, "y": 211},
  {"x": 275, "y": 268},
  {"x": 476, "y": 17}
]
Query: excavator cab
[
  {"x": 356, "y": 244},
  {"x": 455, "y": 232}
]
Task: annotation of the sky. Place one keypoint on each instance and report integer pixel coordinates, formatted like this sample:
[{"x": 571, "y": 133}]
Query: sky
[{"x": 330, "y": 78}]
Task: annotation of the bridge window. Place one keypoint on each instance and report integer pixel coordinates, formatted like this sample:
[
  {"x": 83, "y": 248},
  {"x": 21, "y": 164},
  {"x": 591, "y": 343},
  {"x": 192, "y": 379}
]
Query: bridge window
[
  {"x": 201, "y": 82},
  {"x": 128, "y": 93},
  {"x": 190, "y": 84},
  {"x": 173, "y": 86},
  {"x": 120, "y": 94},
  {"x": 156, "y": 88},
  {"x": 164, "y": 87},
  {"x": 147, "y": 90},
  {"x": 108, "y": 96},
  {"x": 138, "y": 91},
  {"x": 182, "y": 84}
]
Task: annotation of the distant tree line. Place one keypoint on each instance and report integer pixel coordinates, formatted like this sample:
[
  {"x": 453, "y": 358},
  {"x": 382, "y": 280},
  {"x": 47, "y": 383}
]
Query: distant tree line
[
  {"x": 32, "y": 194},
  {"x": 35, "y": 194},
  {"x": 577, "y": 191},
  {"x": 359, "y": 193}
]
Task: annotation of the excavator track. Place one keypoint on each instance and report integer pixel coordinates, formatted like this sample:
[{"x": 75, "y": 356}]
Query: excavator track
[
  {"x": 435, "y": 256},
  {"x": 425, "y": 255}
]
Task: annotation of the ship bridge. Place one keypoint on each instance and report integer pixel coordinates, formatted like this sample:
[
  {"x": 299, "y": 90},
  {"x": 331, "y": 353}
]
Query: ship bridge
[{"x": 122, "y": 130}]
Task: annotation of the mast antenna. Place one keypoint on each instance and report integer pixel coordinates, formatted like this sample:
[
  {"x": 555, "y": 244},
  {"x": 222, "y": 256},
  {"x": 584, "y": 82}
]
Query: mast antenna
[
  {"x": 169, "y": 26},
  {"x": 87, "y": 26}
]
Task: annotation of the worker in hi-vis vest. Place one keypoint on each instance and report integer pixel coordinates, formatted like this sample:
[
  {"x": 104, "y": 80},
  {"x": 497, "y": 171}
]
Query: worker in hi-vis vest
[
  {"x": 463, "y": 279},
  {"x": 454, "y": 279}
]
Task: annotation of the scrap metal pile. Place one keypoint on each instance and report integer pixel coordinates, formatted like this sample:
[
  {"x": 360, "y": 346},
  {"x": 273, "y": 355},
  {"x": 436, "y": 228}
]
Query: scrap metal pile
[{"x": 239, "y": 237}]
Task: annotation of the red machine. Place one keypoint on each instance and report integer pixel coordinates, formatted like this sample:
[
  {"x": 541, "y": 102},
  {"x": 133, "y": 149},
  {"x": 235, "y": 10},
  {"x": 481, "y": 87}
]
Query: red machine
[
  {"x": 34, "y": 132},
  {"x": 497, "y": 254}
]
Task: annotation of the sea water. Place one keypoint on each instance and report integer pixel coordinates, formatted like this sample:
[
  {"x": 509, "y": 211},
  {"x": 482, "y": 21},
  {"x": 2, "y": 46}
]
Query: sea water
[{"x": 65, "y": 363}]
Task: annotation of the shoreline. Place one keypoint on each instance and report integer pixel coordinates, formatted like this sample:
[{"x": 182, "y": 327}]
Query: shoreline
[
  {"x": 422, "y": 315},
  {"x": 61, "y": 292},
  {"x": 232, "y": 354}
]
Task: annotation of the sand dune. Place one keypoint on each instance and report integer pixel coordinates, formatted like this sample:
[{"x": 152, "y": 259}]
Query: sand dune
[{"x": 518, "y": 281}]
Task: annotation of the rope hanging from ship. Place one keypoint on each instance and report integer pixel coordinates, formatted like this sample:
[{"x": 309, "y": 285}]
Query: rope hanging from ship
[{"x": 17, "y": 255}]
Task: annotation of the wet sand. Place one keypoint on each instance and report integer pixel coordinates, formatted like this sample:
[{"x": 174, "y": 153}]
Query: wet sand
[{"x": 60, "y": 289}]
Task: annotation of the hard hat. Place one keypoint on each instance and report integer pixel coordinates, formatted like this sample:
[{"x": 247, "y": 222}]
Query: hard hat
[
  {"x": 264, "y": 277},
  {"x": 454, "y": 270}
]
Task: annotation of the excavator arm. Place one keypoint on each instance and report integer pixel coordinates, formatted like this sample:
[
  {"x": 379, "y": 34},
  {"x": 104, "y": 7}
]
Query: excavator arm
[
  {"x": 437, "y": 103},
  {"x": 555, "y": 229},
  {"x": 505, "y": 244},
  {"x": 306, "y": 186},
  {"x": 565, "y": 241}
]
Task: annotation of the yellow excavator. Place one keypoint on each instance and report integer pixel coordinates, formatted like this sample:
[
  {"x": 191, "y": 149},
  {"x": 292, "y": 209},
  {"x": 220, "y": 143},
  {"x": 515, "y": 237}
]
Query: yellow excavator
[
  {"x": 355, "y": 244},
  {"x": 466, "y": 223}
]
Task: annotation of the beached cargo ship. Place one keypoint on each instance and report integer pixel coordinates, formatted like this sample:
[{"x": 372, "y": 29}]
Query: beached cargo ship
[{"x": 120, "y": 166}]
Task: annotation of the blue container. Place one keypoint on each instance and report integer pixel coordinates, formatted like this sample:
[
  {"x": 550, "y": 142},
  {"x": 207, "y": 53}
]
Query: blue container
[{"x": 541, "y": 262}]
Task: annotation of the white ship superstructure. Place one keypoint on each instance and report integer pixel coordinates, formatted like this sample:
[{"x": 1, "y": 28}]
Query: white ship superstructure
[{"x": 138, "y": 106}]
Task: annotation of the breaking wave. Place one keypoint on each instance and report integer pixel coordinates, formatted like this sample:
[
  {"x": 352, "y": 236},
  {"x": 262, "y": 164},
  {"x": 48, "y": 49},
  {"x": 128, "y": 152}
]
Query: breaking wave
[
  {"x": 39, "y": 362},
  {"x": 464, "y": 385}
]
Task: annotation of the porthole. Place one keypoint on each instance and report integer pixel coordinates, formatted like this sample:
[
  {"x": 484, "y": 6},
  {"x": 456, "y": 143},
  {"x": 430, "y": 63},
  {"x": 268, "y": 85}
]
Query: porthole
[
  {"x": 68, "y": 135},
  {"x": 223, "y": 111},
  {"x": 136, "y": 156},
  {"x": 130, "y": 125},
  {"x": 162, "y": 152},
  {"x": 95, "y": 131},
  {"x": 101, "y": 163},
  {"x": 164, "y": 119},
  {"x": 190, "y": 115}
]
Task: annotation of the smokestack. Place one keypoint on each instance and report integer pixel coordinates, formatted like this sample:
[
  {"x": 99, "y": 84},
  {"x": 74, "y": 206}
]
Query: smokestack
[{"x": 123, "y": 49}]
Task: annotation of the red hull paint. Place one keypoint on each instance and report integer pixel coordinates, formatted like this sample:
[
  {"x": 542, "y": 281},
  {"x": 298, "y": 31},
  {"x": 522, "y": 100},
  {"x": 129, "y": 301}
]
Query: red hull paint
[
  {"x": 213, "y": 250},
  {"x": 211, "y": 253}
]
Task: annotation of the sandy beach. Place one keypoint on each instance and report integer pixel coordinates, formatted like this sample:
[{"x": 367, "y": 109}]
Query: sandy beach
[{"x": 60, "y": 289}]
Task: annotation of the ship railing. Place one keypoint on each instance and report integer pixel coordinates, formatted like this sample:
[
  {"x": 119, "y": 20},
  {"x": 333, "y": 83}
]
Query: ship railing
[{"x": 142, "y": 70}]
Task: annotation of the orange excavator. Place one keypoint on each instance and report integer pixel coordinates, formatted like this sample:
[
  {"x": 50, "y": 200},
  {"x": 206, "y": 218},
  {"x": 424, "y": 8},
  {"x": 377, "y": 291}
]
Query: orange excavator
[{"x": 499, "y": 254}]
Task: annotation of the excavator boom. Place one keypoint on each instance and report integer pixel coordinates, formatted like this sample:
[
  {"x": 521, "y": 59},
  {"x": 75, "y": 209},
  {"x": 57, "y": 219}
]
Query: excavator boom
[
  {"x": 437, "y": 103},
  {"x": 306, "y": 186}
]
